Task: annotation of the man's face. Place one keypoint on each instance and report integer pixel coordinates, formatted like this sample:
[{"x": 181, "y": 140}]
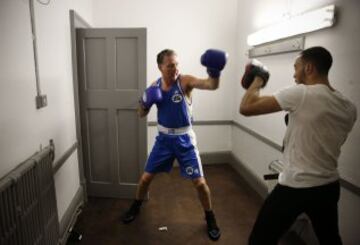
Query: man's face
[
  {"x": 169, "y": 67},
  {"x": 299, "y": 73}
]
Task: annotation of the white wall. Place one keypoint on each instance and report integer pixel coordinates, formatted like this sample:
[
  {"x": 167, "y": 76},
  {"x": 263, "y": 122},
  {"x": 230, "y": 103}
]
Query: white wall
[
  {"x": 23, "y": 128},
  {"x": 188, "y": 27},
  {"x": 342, "y": 41}
]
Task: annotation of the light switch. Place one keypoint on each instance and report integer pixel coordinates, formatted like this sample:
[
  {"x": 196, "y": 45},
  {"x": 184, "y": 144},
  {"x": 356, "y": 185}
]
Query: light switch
[{"x": 41, "y": 101}]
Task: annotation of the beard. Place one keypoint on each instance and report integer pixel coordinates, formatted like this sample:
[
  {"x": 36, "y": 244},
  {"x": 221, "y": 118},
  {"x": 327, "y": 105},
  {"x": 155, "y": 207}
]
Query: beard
[{"x": 301, "y": 78}]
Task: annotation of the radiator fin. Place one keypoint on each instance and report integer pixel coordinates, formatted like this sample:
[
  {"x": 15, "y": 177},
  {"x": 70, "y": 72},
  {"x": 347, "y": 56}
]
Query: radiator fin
[{"x": 28, "y": 211}]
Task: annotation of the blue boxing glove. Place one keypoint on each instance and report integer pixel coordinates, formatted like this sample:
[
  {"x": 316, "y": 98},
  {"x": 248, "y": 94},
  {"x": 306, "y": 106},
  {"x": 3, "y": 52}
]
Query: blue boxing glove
[
  {"x": 152, "y": 95},
  {"x": 214, "y": 60}
]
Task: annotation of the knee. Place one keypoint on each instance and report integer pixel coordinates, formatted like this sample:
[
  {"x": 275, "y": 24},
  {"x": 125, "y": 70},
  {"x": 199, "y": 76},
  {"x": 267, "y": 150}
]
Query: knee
[
  {"x": 201, "y": 184},
  {"x": 146, "y": 179}
]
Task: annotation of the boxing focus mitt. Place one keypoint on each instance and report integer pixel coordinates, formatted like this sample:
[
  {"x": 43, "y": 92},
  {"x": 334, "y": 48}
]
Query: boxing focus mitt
[{"x": 253, "y": 69}]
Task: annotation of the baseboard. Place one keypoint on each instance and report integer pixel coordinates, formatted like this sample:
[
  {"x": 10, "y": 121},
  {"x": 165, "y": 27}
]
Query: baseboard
[
  {"x": 249, "y": 176},
  {"x": 215, "y": 157},
  {"x": 69, "y": 218}
]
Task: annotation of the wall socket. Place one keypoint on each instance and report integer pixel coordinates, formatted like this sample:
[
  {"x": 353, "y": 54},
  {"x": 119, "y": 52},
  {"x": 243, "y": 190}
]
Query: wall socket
[{"x": 41, "y": 101}]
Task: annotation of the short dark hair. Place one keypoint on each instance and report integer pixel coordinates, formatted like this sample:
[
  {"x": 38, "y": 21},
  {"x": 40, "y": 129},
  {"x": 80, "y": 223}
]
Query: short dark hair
[
  {"x": 162, "y": 54},
  {"x": 319, "y": 57}
]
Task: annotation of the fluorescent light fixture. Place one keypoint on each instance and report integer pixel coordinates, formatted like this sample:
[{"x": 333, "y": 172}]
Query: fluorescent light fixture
[
  {"x": 295, "y": 25},
  {"x": 287, "y": 45}
]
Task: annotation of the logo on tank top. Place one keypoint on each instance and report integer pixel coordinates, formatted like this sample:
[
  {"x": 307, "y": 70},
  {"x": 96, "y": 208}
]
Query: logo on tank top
[{"x": 177, "y": 98}]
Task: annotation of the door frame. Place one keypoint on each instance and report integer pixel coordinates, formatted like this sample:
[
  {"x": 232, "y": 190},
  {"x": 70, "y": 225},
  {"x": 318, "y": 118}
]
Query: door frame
[{"x": 76, "y": 21}]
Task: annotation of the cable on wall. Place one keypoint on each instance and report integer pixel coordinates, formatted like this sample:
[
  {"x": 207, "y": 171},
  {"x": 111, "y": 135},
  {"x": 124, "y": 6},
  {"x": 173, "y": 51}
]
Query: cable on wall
[{"x": 41, "y": 100}]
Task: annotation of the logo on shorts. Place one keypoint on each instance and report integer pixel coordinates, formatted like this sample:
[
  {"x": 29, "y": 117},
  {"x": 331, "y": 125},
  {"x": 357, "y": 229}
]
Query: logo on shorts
[
  {"x": 189, "y": 170},
  {"x": 176, "y": 98}
]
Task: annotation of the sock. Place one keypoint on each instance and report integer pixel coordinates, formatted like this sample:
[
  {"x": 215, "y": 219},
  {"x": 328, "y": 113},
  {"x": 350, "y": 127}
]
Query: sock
[{"x": 209, "y": 213}]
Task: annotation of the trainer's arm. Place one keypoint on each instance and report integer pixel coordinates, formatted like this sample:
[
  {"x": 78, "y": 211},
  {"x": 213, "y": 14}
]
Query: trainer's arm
[{"x": 254, "y": 104}]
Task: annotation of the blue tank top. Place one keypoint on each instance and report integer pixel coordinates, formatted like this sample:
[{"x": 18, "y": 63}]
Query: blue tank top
[{"x": 174, "y": 111}]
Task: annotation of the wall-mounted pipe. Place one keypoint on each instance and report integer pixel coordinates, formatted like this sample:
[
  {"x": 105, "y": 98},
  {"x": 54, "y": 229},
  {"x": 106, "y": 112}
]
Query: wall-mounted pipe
[{"x": 41, "y": 100}]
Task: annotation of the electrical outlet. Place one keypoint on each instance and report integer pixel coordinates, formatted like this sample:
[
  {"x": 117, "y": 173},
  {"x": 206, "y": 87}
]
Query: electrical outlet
[{"x": 41, "y": 101}]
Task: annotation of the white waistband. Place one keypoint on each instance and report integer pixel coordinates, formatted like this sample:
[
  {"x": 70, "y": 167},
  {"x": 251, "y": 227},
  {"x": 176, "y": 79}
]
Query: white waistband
[{"x": 174, "y": 131}]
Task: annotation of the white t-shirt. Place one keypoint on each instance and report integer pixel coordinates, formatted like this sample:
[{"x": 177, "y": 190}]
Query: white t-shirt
[{"x": 319, "y": 122}]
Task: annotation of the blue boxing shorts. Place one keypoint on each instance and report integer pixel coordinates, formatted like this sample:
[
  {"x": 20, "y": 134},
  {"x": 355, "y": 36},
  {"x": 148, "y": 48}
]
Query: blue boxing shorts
[{"x": 169, "y": 147}]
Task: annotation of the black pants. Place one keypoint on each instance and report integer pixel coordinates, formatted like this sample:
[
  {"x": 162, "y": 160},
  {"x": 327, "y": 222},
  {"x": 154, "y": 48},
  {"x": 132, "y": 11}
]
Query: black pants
[{"x": 285, "y": 204}]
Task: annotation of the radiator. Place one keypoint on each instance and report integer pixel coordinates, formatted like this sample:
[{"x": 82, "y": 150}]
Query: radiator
[{"x": 28, "y": 211}]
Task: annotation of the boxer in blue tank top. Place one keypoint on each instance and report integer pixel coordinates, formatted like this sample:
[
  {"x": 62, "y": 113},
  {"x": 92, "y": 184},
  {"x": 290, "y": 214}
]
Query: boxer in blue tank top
[{"x": 176, "y": 140}]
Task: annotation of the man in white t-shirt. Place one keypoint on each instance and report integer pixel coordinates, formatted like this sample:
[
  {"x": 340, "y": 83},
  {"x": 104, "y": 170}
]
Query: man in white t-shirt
[{"x": 320, "y": 119}]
